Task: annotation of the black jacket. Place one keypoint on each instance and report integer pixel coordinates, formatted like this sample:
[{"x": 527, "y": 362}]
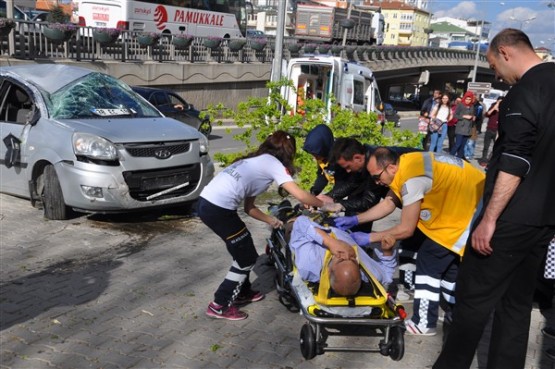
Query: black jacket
[{"x": 358, "y": 192}]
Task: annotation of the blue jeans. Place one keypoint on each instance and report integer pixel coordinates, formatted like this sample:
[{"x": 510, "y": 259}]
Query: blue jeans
[
  {"x": 460, "y": 143},
  {"x": 469, "y": 148},
  {"x": 437, "y": 138}
]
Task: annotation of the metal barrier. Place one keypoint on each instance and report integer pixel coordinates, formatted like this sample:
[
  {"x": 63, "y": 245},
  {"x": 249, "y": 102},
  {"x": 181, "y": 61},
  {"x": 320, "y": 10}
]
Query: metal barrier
[{"x": 30, "y": 43}]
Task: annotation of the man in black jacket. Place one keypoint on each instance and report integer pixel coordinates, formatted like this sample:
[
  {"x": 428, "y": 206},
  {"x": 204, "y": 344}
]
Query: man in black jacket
[
  {"x": 510, "y": 236},
  {"x": 354, "y": 190}
]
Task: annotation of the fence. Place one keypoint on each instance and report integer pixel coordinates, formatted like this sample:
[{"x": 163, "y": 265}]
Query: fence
[{"x": 30, "y": 43}]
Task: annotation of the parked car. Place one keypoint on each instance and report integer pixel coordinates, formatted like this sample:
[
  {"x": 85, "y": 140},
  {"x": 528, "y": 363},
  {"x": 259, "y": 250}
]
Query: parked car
[
  {"x": 77, "y": 139},
  {"x": 255, "y": 33},
  {"x": 174, "y": 106},
  {"x": 391, "y": 114}
]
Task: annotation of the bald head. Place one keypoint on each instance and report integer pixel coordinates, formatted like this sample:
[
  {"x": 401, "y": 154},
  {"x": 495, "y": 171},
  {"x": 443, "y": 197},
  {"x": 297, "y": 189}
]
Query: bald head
[{"x": 344, "y": 276}]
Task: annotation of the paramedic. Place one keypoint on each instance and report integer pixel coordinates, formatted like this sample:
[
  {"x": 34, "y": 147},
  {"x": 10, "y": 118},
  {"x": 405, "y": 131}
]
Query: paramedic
[
  {"x": 439, "y": 194},
  {"x": 309, "y": 241},
  {"x": 506, "y": 248},
  {"x": 354, "y": 190},
  {"x": 318, "y": 143},
  {"x": 243, "y": 180}
]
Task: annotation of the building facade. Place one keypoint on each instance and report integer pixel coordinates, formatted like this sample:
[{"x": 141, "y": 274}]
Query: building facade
[{"x": 405, "y": 24}]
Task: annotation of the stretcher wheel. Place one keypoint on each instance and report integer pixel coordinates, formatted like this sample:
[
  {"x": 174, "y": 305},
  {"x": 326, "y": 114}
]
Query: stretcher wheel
[
  {"x": 308, "y": 341},
  {"x": 397, "y": 343}
]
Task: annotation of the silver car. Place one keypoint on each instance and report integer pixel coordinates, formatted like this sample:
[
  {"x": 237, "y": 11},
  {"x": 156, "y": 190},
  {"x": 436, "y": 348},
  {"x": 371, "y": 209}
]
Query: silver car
[{"x": 77, "y": 139}]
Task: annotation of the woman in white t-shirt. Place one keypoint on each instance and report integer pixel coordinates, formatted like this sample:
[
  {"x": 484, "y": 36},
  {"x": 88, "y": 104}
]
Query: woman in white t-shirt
[
  {"x": 239, "y": 183},
  {"x": 443, "y": 113}
]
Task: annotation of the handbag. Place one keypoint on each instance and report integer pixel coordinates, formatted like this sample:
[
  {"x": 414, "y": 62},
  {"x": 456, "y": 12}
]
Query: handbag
[{"x": 435, "y": 125}]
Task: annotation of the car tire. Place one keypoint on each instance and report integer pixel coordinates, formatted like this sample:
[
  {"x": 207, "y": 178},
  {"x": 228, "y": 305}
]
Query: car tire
[{"x": 52, "y": 196}]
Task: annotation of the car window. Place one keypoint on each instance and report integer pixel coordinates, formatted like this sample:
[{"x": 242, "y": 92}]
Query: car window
[
  {"x": 159, "y": 99},
  {"x": 177, "y": 101},
  {"x": 97, "y": 95},
  {"x": 17, "y": 14},
  {"x": 15, "y": 103}
]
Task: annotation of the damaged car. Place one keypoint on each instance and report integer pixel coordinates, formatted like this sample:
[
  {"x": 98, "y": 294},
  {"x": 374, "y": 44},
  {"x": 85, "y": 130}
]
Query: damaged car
[{"x": 74, "y": 139}]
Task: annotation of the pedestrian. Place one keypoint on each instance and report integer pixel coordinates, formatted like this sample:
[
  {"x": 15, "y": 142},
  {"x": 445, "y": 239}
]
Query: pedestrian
[
  {"x": 451, "y": 125},
  {"x": 491, "y": 130},
  {"x": 505, "y": 249},
  {"x": 318, "y": 143},
  {"x": 423, "y": 123},
  {"x": 429, "y": 105},
  {"x": 439, "y": 195},
  {"x": 242, "y": 181},
  {"x": 442, "y": 113},
  {"x": 465, "y": 119}
]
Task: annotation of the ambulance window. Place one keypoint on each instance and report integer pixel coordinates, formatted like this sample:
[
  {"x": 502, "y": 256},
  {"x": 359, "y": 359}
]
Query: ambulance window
[{"x": 358, "y": 96}]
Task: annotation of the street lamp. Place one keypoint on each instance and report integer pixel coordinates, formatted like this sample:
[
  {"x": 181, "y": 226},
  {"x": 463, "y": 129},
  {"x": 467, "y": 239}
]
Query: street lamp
[
  {"x": 522, "y": 21},
  {"x": 477, "y": 56}
]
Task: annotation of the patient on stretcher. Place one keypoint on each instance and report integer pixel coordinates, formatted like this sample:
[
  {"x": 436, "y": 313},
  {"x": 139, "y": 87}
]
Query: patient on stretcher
[{"x": 310, "y": 242}]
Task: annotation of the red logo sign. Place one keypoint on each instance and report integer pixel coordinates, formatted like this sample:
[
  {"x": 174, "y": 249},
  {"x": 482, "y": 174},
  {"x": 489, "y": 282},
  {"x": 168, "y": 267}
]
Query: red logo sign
[{"x": 160, "y": 17}]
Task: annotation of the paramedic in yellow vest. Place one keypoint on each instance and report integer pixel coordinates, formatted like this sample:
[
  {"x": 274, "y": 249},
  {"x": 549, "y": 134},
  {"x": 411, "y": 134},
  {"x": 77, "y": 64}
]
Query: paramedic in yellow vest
[{"x": 439, "y": 195}]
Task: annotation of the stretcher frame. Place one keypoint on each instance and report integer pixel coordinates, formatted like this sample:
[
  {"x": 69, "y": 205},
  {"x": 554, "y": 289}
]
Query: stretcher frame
[{"x": 292, "y": 291}]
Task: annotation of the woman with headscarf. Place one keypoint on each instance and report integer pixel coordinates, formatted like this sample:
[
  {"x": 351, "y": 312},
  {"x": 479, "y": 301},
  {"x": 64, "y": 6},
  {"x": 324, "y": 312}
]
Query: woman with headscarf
[{"x": 465, "y": 115}]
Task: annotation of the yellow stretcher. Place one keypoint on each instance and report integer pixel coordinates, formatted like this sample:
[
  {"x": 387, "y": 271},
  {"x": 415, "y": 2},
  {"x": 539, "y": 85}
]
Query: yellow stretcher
[{"x": 372, "y": 312}]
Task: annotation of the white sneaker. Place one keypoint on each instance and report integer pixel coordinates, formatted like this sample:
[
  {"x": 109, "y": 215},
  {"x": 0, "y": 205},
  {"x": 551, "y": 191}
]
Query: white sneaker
[
  {"x": 403, "y": 296},
  {"x": 415, "y": 330}
]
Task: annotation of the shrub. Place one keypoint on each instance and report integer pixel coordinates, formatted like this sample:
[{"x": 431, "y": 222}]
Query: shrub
[
  {"x": 7, "y": 23},
  {"x": 57, "y": 15},
  {"x": 112, "y": 32},
  {"x": 262, "y": 116}
]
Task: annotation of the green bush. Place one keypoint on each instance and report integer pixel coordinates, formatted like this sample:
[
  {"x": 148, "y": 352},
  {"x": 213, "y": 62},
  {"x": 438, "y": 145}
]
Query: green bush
[{"x": 262, "y": 116}]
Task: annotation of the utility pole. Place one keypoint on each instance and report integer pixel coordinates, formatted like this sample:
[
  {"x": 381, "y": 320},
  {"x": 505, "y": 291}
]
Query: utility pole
[
  {"x": 347, "y": 29},
  {"x": 278, "y": 51},
  {"x": 475, "y": 71},
  {"x": 11, "y": 38}
]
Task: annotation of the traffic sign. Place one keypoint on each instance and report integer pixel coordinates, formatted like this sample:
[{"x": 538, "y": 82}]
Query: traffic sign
[{"x": 479, "y": 87}]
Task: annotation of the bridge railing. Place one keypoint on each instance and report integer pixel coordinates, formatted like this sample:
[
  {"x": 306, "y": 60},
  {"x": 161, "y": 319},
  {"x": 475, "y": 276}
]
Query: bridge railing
[{"x": 31, "y": 43}]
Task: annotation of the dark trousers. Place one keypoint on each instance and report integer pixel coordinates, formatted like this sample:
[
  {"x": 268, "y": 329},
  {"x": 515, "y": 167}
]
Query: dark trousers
[
  {"x": 503, "y": 283},
  {"x": 451, "y": 136},
  {"x": 435, "y": 274},
  {"x": 232, "y": 230},
  {"x": 489, "y": 137},
  {"x": 460, "y": 143}
]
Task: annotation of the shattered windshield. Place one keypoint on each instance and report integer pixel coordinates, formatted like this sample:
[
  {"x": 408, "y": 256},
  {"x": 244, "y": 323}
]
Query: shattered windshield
[{"x": 98, "y": 95}]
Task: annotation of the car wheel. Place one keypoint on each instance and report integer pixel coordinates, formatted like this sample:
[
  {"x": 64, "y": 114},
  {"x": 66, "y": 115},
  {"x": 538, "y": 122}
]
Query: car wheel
[
  {"x": 52, "y": 197},
  {"x": 205, "y": 127}
]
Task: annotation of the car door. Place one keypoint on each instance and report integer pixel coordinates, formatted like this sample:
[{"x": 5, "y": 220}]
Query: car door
[
  {"x": 15, "y": 109},
  {"x": 173, "y": 106}
]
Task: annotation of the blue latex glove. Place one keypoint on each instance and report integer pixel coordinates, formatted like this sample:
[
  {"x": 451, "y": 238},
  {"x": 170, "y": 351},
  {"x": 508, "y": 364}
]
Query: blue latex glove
[
  {"x": 362, "y": 239},
  {"x": 345, "y": 223}
]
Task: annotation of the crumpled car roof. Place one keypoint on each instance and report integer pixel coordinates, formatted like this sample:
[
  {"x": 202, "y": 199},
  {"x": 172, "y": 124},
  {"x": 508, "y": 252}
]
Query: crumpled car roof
[{"x": 49, "y": 77}]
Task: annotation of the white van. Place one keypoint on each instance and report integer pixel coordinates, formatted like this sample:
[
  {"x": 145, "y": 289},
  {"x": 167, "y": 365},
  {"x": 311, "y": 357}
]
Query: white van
[
  {"x": 491, "y": 97},
  {"x": 320, "y": 77}
]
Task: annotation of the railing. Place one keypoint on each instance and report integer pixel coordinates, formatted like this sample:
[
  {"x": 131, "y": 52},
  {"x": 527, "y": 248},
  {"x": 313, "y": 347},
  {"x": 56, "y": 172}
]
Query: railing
[{"x": 30, "y": 43}]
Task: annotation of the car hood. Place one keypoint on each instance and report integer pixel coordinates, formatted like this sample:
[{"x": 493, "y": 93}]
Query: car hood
[{"x": 134, "y": 129}]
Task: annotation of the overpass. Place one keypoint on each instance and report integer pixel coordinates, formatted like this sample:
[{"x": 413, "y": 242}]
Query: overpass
[{"x": 233, "y": 70}]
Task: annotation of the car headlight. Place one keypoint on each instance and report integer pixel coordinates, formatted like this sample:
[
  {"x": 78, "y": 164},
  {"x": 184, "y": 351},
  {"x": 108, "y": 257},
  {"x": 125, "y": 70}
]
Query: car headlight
[
  {"x": 204, "y": 145},
  {"x": 86, "y": 144}
]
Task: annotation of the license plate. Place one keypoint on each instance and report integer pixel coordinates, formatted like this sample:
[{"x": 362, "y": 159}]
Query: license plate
[{"x": 164, "y": 182}]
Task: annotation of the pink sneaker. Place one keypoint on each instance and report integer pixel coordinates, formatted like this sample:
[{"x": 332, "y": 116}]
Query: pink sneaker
[
  {"x": 247, "y": 298},
  {"x": 220, "y": 312}
]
